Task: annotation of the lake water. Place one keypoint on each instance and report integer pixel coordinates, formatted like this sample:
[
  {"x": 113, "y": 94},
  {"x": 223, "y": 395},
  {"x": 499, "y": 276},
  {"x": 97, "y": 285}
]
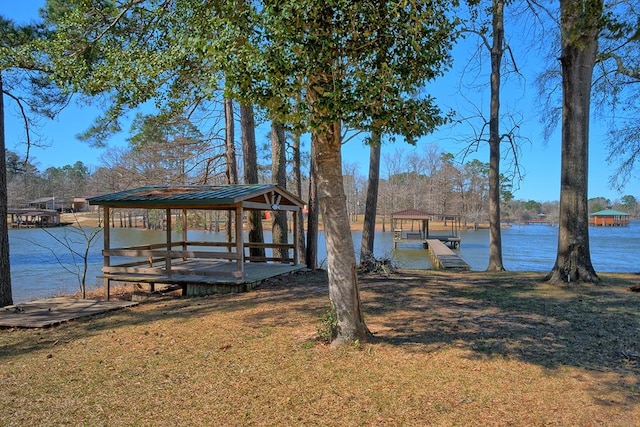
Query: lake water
[{"x": 36, "y": 273}]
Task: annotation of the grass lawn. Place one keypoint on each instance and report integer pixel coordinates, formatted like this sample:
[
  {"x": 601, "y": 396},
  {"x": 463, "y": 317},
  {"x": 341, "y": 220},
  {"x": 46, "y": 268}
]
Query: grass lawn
[{"x": 456, "y": 349}]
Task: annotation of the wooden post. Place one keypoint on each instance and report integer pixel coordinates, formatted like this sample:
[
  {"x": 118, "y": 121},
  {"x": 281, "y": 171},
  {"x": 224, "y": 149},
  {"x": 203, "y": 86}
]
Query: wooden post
[
  {"x": 239, "y": 241},
  {"x": 107, "y": 259},
  {"x": 167, "y": 260},
  {"x": 296, "y": 213},
  {"x": 184, "y": 232}
]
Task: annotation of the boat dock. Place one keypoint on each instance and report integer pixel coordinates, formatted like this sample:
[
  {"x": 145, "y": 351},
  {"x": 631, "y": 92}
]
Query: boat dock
[{"x": 444, "y": 258}]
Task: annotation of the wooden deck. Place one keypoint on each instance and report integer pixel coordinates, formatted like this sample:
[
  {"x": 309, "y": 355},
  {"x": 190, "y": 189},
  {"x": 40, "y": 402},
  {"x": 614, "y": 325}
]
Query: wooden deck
[
  {"x": 205, "y": 277},
  {"x": 53, "y": 311},
  {"x": 444, "y": 258},
  {"x": 413, "y": 238}
]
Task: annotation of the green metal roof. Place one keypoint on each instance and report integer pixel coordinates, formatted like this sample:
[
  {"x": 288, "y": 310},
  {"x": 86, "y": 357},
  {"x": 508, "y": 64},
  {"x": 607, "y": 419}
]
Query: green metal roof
[
  {"x": 195, "y": 196},
  {"x": 609, "y": 212}
]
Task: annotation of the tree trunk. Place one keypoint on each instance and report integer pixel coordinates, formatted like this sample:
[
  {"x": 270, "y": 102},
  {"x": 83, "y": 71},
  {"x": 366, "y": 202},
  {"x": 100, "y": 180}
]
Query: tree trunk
[
  {"x": 341, "y": 261},
  {"x": 371, "y": 204},
  {"x": 251, "y": 175},
  {"x": 279, "y": 176},
  {"x": 230, "y": 154},
  {"x": 495, "y": 232},
  {"x": 229, "y": 143},
  {"x": 579, "y": 29},
  {"x": 297, "y": 187},
  {"x": 312, "y": 211},
  {"x": 5, "y": 268}
]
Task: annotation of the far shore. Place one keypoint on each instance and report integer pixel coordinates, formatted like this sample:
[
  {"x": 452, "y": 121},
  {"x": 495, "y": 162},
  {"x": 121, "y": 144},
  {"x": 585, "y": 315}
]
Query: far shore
[{"x": 91, "y": 219}]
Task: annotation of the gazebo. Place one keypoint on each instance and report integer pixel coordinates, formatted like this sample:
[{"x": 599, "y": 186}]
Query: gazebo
[
  {"x": 199, "y": 267},
  {"x": 609, "y": 218}
]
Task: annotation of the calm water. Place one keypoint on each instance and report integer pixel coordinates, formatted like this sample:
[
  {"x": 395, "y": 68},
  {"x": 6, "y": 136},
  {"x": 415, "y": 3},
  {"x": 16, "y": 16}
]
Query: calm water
[{"x": 36, "y": 273}]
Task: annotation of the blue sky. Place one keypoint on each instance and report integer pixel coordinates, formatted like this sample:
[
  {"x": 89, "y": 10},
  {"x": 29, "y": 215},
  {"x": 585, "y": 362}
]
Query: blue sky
[{"x": 540, "y": 159}]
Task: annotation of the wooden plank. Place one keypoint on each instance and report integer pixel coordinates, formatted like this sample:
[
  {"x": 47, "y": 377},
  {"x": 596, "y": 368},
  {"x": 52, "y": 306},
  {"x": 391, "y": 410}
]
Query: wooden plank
[
  {"x": 444, "y": 258},
  {"x": 172, "y": 254}
]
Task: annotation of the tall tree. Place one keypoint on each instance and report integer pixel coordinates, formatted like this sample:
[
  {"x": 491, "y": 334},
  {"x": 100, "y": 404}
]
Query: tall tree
[
  {"x": 579, "y": 30},
  {"x": 334, "y": 45},
  {"x": 497, "y": 49},
  {"x": 371, "y": 202},
  {"x": 296, "y": 165},
  {"x": 268, "y": 51},
  {"x": 5, "y": 268},
  {"x": 279, "y": 231},
  {"x": 250, "y": 163},
  {"x": 230, "y": 155},
  {"x": 311, "y": 253},
  {"x": 17, "y": 61},
  {"x": 487, "y": 23}
]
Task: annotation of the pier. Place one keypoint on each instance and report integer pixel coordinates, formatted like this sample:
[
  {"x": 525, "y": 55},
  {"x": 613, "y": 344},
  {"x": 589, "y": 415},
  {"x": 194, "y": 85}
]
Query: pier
[{"x": 444, "y": 258}]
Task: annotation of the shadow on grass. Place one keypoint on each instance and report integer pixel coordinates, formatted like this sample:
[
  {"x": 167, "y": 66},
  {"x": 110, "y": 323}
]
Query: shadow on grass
[
  {"x": 515, "y": 315},
  {"x": 268, "y": 305}
]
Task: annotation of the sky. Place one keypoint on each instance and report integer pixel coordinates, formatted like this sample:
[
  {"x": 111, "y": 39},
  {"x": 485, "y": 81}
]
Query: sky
[{"x": 539, "y": 159}]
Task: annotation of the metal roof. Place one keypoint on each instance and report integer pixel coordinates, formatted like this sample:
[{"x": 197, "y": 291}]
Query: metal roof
[
  {"x": 251, "y": 196},
  {"x": 609, "y": 212},
  {"x": 418, "y": 214}
]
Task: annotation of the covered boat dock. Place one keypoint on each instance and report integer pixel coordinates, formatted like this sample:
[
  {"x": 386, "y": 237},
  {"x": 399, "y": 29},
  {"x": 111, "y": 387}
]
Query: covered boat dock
[
  {"x": 199, "y": 267},
  {"x": 412, "y": 226},
  {"x": 609, "y": 218}
]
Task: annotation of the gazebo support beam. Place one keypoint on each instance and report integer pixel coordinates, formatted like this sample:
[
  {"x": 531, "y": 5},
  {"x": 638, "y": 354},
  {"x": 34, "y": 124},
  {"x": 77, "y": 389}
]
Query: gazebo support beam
[
  {"x": 167, "y": 260},
  {"x": 239, "y": 241},
  {"x": 107, "y": 245}
]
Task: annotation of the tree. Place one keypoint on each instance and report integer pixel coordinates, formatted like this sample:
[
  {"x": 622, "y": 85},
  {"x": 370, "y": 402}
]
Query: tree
[
  {"x": 279, "y": 176},
  {"x": 5, "y": 267},
  {"x": 579, "y": 27},
  {"x": 487, "y": 23},
  {"x": 371, "y": 202},
  {"x": 15, "y": 60},
  {"x": 497, "y": 50},
  {"x": 250, "y": 161},
  {"x": 171, "y": 149},
  {"x": 268, "y": 51},
  {"x": 629, "y": 203},
  {"x": 333, "y": 45},
  {"x": 77, "y": 241}
]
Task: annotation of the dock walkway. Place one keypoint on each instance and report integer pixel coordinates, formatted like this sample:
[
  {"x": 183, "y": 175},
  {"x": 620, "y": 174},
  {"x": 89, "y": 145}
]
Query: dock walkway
[{"x": 444, "y": 258}]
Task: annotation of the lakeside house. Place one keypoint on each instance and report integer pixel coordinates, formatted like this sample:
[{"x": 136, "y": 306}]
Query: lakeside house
[{"x": 609, "y": 218}]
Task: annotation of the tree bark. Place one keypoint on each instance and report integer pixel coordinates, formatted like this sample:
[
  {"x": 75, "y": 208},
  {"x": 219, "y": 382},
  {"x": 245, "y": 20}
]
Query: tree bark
[
  {"x": 249, "y": 155},
  {"x": 229, "y": 143},
  {"x": 341, "y": 261},
  {"x": 6, "y": 297},
  {"x": 495, "y": 232},
  {"x": 279, "y": 176},
  {"x": 312, "y": 212},
  {"x": 230, "y": 154},
  {"x": 579, "y": 29},
  {"x": 371, "y": 204},
  {"x": 297, "y": 187}
]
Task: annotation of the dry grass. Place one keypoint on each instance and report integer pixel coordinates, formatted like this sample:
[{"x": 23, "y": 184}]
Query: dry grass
[{"x": 452, "y": 349}]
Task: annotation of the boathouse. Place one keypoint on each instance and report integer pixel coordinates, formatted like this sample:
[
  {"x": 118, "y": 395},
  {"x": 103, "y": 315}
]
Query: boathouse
[
  {"x": 412, "y": 226},
  {"x": 609, "y": 218},
  {"x": 30, "y": 218},
  {"x": 199, "y": 267}
]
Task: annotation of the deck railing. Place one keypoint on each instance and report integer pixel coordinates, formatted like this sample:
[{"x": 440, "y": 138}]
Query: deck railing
[{"x": 156, "y": 255}]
